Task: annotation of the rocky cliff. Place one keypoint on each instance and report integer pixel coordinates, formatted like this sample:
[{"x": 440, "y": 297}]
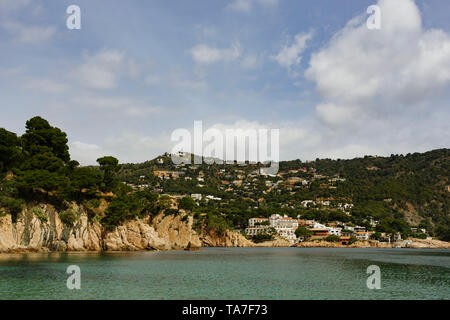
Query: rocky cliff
[{"x": 40, "y": 228}]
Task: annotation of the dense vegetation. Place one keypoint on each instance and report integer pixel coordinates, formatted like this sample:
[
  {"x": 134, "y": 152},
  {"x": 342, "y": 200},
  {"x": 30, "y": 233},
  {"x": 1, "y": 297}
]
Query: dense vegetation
[
  {"x": 398, "y": 191},
  {"x": 36, "y": 167}
]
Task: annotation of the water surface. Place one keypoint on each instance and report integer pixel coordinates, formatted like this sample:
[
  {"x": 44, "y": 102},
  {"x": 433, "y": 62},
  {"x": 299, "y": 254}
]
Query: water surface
[{"x": 230, "y": 273}]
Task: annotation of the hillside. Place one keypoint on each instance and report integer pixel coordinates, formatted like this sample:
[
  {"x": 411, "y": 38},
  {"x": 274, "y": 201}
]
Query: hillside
[
  {"x": 409, "y": 194},
  {"x": 398, "y": 190}
]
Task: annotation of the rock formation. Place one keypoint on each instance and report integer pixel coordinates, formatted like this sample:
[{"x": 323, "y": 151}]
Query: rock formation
[{"x": 46, "y": 232}]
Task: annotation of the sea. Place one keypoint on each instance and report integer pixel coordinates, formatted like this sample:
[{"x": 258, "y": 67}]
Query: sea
[{"x": 229, "y": 274}]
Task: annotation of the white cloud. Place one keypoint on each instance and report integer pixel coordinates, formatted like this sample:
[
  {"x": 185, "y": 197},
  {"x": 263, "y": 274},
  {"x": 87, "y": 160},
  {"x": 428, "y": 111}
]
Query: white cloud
[
  {"x": 205, "y": 55},
  {"x": 382, "y": 91},
  {"x": 290, "y": 55},
  {"x": 103, "y": 70},
  {"x": 251, "y": 61},
  {"x": 128, "y": 147},
  {"x": 46, "y": 85},
  {"x": 127, "y": 106},
  {"x": 84, "y": 153},
  {"x": 241, "y": 5},
  {"x": 30, "y": 34},
  {"x": 372, "y": 73},
  {"x": 248, "y": 5},
  {"x": 9, "y": 5},
  {"x": 152, "y": 80},
  {"x": 135, "y": 147}
]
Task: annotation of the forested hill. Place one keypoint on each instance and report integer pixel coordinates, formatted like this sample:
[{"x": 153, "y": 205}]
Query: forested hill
[
  {"x": 384, "y": 194},
  {"x": 416, "y": 183},
  {"x": 412, "y": 188}
]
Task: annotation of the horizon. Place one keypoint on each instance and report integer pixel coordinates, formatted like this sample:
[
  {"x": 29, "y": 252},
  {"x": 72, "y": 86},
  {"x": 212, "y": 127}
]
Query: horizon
[
  {"x": 333, "y": 87},
  {"x": 303, "y": 161}
]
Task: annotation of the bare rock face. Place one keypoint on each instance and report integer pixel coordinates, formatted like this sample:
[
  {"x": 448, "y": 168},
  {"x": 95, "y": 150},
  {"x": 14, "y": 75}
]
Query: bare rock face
[
  {"x": 47, "y": 232},
  {"x": 277, "y": 242},
  {"x": 177, "y": 230},
  {"x": 134, "y": 235},
  {"x": 228, "y": 239},
  {"x": 39, "y": 228},
  {"x": 7, "y": 239}
]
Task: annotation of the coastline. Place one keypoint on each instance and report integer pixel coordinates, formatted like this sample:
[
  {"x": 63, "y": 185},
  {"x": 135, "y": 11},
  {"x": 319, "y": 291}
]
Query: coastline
[{"x": 414, "y": 244}]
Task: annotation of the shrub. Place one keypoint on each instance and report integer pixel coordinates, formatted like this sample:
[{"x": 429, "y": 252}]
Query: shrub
[
  {"x": 169, "y": 212},
  {"x": 216, "y": 223},
  {"x": 352, "y": 240},
  {"x": 40, "y": 215},
  {"x": 121, "y": 209},
  {"x": 420, "y": 236},
  {"x": 68, "y": 217},
  {"x": 376, "y": 236},
  {"x": 262, "y": 237},
  {"x": 187, "y": 203},
  {"x": 332, "y": 238},
  {"x": 12, "y": 205},
  {"x": 303, "y": 232},
  {"x": 93, "y": 203}
]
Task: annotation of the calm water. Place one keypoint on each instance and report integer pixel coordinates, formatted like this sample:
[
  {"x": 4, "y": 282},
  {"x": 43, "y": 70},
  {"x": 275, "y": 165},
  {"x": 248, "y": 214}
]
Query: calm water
[{"x": 230, "y": 273}]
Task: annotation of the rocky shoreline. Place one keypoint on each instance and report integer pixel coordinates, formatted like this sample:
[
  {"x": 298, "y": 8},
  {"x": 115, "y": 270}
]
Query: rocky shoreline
[
  {"x": 47, "y": 233},
  {"x": 410, "y": 243}
]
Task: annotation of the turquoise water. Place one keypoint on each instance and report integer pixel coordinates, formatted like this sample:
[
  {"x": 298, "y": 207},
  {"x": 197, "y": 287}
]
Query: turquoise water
[{"x": 230, "y": 273}]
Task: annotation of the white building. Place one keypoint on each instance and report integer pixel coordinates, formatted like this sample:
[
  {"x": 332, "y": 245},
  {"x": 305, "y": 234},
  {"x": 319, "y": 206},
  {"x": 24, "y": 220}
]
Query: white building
[
  {"x": 255, "y": 221},
  {"x": 213, "y": 198},
  {"x": 334, "y": 231},
  {"x": 362, "y": 235},
  {"x": 284, "y": 226},
  {"x": 307, "y": 203},
  {"x": 253, "y": 231},
  {"x": 196, "y": 196},
  {"x": 319, "y": 226}
]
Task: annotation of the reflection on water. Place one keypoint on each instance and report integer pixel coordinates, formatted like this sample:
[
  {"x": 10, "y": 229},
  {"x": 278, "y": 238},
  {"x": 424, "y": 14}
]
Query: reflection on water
[{"x": 229, "y": 273}]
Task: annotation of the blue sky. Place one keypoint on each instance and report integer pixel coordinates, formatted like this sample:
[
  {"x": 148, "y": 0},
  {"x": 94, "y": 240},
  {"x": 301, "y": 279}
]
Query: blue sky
[{"x": 137, "y": 70}]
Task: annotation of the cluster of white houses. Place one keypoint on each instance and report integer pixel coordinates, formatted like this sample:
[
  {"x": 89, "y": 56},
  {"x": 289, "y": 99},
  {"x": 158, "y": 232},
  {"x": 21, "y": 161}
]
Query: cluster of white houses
[{"x": 285, "y": 227}]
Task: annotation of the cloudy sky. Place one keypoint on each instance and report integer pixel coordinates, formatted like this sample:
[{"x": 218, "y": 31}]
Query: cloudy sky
[{"x": 137, "y": 70}]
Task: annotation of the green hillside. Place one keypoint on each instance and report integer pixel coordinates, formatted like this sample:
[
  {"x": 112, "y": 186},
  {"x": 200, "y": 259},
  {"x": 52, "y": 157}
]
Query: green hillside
[{"x": 384, "y": 194}]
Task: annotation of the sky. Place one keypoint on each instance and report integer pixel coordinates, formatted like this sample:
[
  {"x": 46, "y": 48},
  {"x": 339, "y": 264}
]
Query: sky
[{"x": 138, "y": 70}]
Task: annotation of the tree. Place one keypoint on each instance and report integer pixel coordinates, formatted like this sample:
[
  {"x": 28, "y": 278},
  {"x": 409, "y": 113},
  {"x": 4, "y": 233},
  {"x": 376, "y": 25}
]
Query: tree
[
  {"x": 9, "y": 150},
  {"x": 109, "y": 165},
  {"x": 85, "y": 180},
  {"x": 187, "y": 203},
  {"x": 375, "y": 236},
  {"x": 332, "y": 238},
  {"x": 303, "y": 232},
  {"x": 41, "y": 136}
]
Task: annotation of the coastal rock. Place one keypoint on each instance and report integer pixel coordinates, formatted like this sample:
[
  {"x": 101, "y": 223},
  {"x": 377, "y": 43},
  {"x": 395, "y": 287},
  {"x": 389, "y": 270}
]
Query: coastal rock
[
  {"x": 227, "y": 239},
  {"x": 426, "y": 243},
  {"x": 7, "y": 239},
  {"x": 177, "y": 231},
  {"x": 39, "y": 228},
  {"x": 358, "y": 244},
  {"x": 278, "y": 242},
  {"x": 134, "y": 235}
]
